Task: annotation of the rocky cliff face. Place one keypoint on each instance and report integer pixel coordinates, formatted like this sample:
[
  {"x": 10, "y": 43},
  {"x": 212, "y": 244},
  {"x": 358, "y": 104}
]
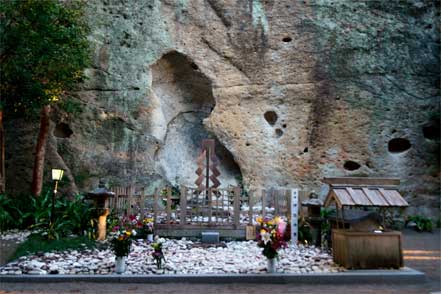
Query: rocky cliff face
[{"x": 293, "y": 91}]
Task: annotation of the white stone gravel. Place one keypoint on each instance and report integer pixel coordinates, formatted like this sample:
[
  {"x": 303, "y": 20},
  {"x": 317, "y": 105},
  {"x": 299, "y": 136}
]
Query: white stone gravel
[
  {"x": 182, "y": 257},
  {"x": 17, "y": 235}
]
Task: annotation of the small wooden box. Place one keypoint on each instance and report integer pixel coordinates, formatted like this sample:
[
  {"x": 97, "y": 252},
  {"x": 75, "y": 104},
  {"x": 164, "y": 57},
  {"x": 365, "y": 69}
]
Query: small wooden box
[
  {"x": 250, "y": 232},
  {"x": 367, "y": 250}
]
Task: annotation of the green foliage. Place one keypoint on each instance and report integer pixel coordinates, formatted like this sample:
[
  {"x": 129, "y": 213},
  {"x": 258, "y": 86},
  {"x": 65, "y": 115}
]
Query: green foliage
[
  {"x": 304, "y": 233},
  {"x": 121, "y": 247},
  {"x": 423, "y": 224},
  {"x": 36, "y": 243},
  {"x": 6, "y": 218},
  {"x": 44, "y": 49},
  {"x": 72, "y": 216},
  {"x": 39, "y": 212},
  {"x": 326, "y": 226},
  {"x": 71, "y": 106}
]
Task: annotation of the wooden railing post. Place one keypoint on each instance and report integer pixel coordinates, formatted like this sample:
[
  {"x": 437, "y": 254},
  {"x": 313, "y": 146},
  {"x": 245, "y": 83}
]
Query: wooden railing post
[
  {"x": 129, "y": 200},
  {"x": 236, "y": 207},
  {"x": 276, "y": 202},
  {"x": 209, "y": 208},
  {"x": 183, "y": 204},
  {"x": 142, "y": 202},
  {"x": 155, "y": 206},
  {"x": 169, "y": 194},
  {"x": 250, "y": 207}
]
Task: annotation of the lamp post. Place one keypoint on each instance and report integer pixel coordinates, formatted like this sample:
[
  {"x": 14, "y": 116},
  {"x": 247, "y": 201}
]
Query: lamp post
[{"x": 57, "y": 174}]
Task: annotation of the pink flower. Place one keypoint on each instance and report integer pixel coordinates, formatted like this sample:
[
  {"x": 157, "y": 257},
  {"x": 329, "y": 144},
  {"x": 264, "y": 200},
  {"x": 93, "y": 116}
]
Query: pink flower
[{"x": 281, "y": 227}]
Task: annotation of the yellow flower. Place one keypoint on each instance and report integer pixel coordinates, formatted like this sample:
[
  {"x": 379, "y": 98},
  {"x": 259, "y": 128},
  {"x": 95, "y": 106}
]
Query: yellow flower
[
  {"x": 120, "y": 238},
  {"x": 277, "y": 219},
  {"x": 262, "y": 231},
  {"x": 259, "y": 219}
]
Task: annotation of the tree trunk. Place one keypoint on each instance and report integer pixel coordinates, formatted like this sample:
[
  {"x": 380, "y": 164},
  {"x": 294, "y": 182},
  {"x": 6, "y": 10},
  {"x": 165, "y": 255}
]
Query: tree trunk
[
  {"x": 2, "y": 155},
  {"x": 37, "y": 174}
]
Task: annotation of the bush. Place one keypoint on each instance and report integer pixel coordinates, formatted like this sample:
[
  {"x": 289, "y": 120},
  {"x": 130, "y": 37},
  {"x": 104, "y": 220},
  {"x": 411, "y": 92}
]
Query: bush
[
  {"x": 37, "y": 244},
  {"x": 422, "y": 224},
  {"x": 6, "y": 219}
]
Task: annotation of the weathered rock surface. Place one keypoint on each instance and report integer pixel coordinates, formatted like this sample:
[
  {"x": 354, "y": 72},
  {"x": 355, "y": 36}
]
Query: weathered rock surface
[{"x": 292, "y": 90}]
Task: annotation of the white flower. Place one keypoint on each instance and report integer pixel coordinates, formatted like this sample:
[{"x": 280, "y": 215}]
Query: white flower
[
  {"x": 161, "y": 240},
  {"x": 134, "y": 232},
  {"x": 266, "y": 237}
]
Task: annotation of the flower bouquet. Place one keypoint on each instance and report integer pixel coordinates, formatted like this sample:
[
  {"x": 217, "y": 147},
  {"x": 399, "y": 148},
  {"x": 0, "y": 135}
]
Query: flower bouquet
[
  {"x": 270, "y": 237},
  {"x": 147, "y": 227},
  {"x": 157, "y": 254},
  {"x": 121, "y": 243}
]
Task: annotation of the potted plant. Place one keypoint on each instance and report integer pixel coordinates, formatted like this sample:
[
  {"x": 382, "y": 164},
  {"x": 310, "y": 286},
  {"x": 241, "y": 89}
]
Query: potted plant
[
  {"x": 120, "y": 244},
  {"x": 157, "y": 254},
  {"x": 270, "y": 237}
]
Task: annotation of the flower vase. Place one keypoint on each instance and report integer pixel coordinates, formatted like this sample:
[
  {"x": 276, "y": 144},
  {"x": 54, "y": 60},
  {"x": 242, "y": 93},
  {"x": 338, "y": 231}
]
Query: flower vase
[
  {"x": 120, "y": 264},
  {"x": 271, "y": 265},
  {"x": 149, "y": 238}
]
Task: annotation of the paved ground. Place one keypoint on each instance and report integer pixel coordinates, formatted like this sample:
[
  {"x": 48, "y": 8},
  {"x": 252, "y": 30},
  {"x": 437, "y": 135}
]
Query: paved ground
[{"x": 422, "y": 252}]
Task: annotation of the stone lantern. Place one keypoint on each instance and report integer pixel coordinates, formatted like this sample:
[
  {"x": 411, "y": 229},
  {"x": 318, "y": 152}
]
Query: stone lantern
[
  {"x": 101, "y": 196},
  {"x": 314, "y": 205}
]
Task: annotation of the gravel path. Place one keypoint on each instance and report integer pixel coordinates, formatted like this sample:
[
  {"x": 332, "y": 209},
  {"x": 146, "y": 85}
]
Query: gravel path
[{"x": 182, "y": 257}]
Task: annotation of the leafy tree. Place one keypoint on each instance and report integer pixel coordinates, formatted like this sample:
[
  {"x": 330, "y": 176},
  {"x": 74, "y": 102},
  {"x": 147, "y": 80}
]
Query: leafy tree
[{"x": 43, "y": 51}]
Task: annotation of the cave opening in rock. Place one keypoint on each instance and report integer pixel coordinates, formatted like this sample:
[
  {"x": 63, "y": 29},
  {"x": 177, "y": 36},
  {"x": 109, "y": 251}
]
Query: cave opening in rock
[
  {"x": 398, "y": 145},
  {"x": 351, "y": 165},
  {"x": 431, "y": 131},
  {"x": 62, "y": 130},
  {"x": 182, "y": 99},
  {"x": 271, "y": 117}
]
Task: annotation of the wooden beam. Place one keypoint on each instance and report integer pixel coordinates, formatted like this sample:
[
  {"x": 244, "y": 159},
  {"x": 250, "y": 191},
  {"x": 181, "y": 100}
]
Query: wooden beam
[{"x": 360, "y": 181}]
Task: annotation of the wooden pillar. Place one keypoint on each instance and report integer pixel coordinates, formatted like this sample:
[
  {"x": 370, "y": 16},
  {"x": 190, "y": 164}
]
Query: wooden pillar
[
  {"x": 142, "y": 202},
  {"x": 236, "y": 207},
  {"x": 183, "y": 204},
  {"x": 250, "y": 207},
  {"x": 155, "y": 206},
  {"x": 209, "y": 210},
  {"x": 169, "y": 194}
]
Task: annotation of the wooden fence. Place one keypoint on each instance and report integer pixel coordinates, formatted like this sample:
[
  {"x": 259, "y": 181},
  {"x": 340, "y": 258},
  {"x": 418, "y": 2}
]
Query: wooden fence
[{"x": 190, "y": 207}]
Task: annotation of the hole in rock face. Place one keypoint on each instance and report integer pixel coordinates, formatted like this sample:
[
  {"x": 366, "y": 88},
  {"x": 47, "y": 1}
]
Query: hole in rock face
[
  {"x": 351, "y": 165},
  {"x": 398, "y": 145},
  {"x": 305, "y": 150},
  {"x": 62, "y": 130},
  {"x": 194, "y": 66},
  {"x": 287, "y": 39},
  {"x": 183, "y": 99},
  {"x": 279, "y": 133},
  {"x": 431, "y": 131},
  {"x": 271, "y": 117},
  {"x": 284, "y": 126}
]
